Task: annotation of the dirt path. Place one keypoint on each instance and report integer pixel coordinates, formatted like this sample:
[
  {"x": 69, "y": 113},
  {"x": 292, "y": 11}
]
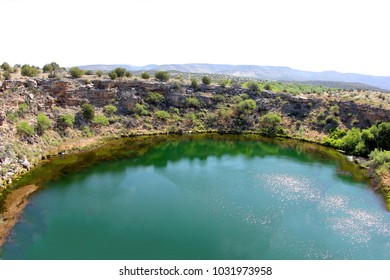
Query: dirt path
[{"x": 14, "y": 204}]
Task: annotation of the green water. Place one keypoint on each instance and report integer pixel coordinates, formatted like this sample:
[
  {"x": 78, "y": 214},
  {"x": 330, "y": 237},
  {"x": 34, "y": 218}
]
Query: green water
[{"x": 201, "y": 197}]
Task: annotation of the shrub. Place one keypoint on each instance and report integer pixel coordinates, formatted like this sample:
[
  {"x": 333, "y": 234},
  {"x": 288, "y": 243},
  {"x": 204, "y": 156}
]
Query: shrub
[
  {"x": 29, "y": 71},
  {"x": 6, "y": 75},
  {"x": 5, "y": 66},
  {"x": 101, "y": 120},
  {"x": 113, "y": 75},
  {"x": 128, "y": 74},
  {"x": 206, "y": 80},
  {"x": 23, "y": 109},
  {"x": 88, "y": 112},
  {"x": 120, "y": 72},
  {"x": 99, "y": 73},
  {"x": 145, "y": 75},
  {"x": 193, "y": 102},
  {"x": 270, "y": 124},
  {"x": 89, "y": 72},
  {"x": 223, "y": 83},
  {"x": 87, "y": 131},
  {"x": 253, "y": 86},
  {"x": 383, "y": 136},
  {"x": 246, "y": 106},
  {"x": 140, "y": 109},
  {"x": 51, "y": 68},
  {"x": 23, "y": 128},
  {"x": 162, "y": 115},
  {"x": 162, "y": 76},
  {"x": 110, "y": 110},
  {"x": 67, "y": 120},
  {"x": 43, "y": 123},
  {"x": 267, "y": 87},
  {"x": 349, "y": 142},
  {"x": 76, "y": 72},
  {"x": 195, "y": 84},
  {"x": 155, "y": 98}
]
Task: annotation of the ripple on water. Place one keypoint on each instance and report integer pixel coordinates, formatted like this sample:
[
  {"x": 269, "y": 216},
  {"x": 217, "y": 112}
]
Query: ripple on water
[
  {"x": 356, "y": 225},
  {"x": 290, "y": 187}
]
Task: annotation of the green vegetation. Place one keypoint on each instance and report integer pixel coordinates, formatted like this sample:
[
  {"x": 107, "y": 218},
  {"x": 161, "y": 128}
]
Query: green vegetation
[
  {"x": 361, "y": 143},
  {"x": 145, "y": 75},
  {"x": 155, "y": 98},
  {"x": 29, "y": 71},
  {"x": 51, "y": 68},
  {"x": 88, "y": 112},
  {"x": 110, "y": 110},
  {"x": 66, "y": 120},
  {"x": 162, "y": 76},
  {"x": 246, "y": 106},
  {"x": 140, "y": 109},
  {"x": 6, "y": 67},
  {"x": 98, "y": 73},
  {"x": 43, "y": 123},
  {"x": 76, "y": 72},
  {"x": 270, "y": 124},
  {"x": 162, "y": 115},
  {"x": 206, "y": 80},
  {"x": 101, "y": 120},
  {"x": 24, "y": 129},
  {"x": 192, "y": 102}
]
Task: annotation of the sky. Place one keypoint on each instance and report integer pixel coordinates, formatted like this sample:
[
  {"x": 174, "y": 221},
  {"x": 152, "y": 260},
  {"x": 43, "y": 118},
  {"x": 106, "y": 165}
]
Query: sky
[{"x": 312, "y": 35}]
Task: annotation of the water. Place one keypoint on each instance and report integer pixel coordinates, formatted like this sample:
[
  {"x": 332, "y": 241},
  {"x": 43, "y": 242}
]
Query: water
[{"x": 204, "y": 197}]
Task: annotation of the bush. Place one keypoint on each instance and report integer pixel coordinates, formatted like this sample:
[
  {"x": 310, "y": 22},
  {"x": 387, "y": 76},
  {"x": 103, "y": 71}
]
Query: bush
[
  {"x": 145, "y": 75},
  {"x": 267, "y": 87},
  {"x": 270, "y": 124},
  {"x": 5, "y": 66},
  {"x": 195, "y": 84},
  {"x": 88, "y": 112},
  {"x": 349, "y": 142},
  {"x": 51, "y": 68},
  {"x": 76, "y": 72},
  {"x": 128, "y": 74},
  {"x": 99, "y": 73},
  {"x": 6, "y": 75},
  {"x": 89, "y": 72},
  {"x": 120, "y": 72},
  {"x": 162, "y": 115},
  {"x": 193, "y": 102},
  {"x": 29, "y": 71},
  {"x": 67, "y": 120},
  {"x": 110, "y": 110},
  {"x": 140, "y": 109},
  {"x": 206, "y": 80},
  {"x": 155, "y": 98},
  {"x": 383, "y": 136},
  {"x": 246, "y": 106},
  {"x": 253, "y": 86},
  {"x": 162, "y": 76},
  {"x": 113, "y": 75},
  {"x": 101, "y": 120},
  {"x": 23, "y": 109},
  {"x": 43, "y": 123},
  {"x": 23, "y": 128}
]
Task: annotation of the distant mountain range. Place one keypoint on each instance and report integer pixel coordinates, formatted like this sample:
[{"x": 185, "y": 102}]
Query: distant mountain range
[{"x": 273, "y": 73}]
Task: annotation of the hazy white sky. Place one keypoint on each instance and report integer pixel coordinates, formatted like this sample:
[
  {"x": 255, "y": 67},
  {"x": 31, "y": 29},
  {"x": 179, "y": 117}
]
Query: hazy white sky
[{"x": 317, "y": 35}]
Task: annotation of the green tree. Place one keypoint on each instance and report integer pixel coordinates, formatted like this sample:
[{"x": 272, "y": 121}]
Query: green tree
[
  {"x": 253, "y": 86},
  {"x": 120, "y": 72},
  {"x": 383, "y": 136},
  {"x": 5, "y": 66},
  {"x": 51, "y": 68},
  {"x": 162, "y": 76},
  {"x": 113, "y": 75},
  {"x": 76, "y": 72},
  {"x": 88, "y": 112},
  {"x": 270, "y": 124},
  {"x": 206, "y": 80},
  {"x": 246, "y": 106},
  {"x": 43, "y": 123},
  {"x": 145, "y": 75},
  {"x": 195, "y": 84},
  {"x": 349, "y": 142},
  {"x": 29, "y": 71}
]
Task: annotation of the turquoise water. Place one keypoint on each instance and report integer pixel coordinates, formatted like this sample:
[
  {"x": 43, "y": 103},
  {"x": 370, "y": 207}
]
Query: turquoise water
[{"x": 205, "y": 198}]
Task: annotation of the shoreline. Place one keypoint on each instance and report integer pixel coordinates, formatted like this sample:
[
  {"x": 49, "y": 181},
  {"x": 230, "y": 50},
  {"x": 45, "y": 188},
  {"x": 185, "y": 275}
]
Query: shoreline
[
  {"x": 14, "y": 205},
  {"x": 16, "y": 200}
]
